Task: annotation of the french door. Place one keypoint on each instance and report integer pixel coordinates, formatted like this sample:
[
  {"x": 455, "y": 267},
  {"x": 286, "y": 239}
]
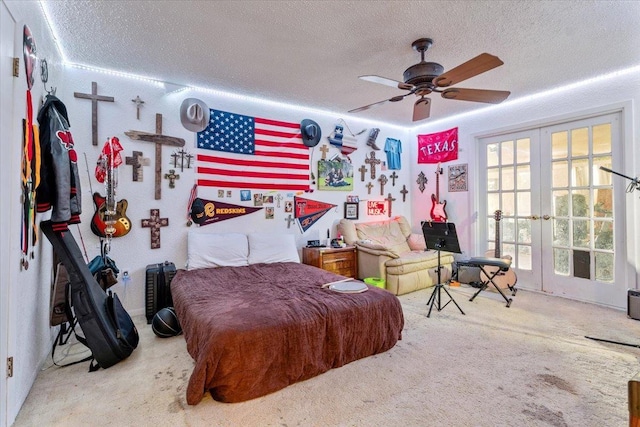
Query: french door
[{"x": 560, "y": 217}]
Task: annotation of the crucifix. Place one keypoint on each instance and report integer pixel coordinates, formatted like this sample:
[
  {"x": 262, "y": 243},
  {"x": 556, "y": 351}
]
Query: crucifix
[
  {"x": 154, "y": 223},
  {"x": 369, "y": 187},
  {"x": 182, "y": 155},
  {"x": 404, "y": 192},
  {"x": 137, "y": 161},
  {"x": 390, "y": 199},
  {"x": 372, "y": 162},
  {"x": 278, "y": 199},
  {"x": 94, "y": 97},
  {"x": 138, "y": 103},
  {"x": 289, "y": 220},
  {"x": 159, "y": 140},
  {"x": 362, "y": 171},
  {"x": 172, "y": 176},
  {"x": 422, "y": 180},
  {"x": 393, "y": 177},
  {"x": 324, "y": 150},
  {"x": 382, "y": 180}
]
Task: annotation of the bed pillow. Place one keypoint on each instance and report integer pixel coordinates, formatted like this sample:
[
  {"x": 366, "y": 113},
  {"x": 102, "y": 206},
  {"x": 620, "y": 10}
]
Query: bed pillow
[
  {"x": 271, "y": 247},
  {"x": 207, "y": 250}
]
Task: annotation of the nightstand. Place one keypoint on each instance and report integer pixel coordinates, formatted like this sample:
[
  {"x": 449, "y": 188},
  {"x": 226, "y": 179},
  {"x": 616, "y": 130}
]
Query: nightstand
[{"x": 341, "y": 261}]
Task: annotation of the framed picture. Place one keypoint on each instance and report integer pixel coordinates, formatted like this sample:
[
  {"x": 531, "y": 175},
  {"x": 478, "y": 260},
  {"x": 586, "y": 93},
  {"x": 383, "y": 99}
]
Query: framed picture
[
  {"x": 458, "y": 177},
  {"x": 351, "y": 210},
  {"x": 335, "y": 175}
]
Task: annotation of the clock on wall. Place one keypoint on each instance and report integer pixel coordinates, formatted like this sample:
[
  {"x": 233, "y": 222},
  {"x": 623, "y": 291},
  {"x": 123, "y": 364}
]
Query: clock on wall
[{"x": 458, "y": 177}]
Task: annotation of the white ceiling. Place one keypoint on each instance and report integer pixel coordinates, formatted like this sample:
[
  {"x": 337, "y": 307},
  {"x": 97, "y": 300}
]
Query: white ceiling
[{"x": 311, "y": 53}]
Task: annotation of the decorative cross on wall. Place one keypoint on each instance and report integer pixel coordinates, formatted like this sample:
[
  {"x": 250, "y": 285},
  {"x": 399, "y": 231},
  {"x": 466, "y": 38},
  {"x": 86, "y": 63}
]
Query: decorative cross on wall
[
  {"x": 289, "y": 220},
  {"x": 369, "y": 187},
  {"x": 181, "y": 157},
  {"x": 393, "y": 177},
  {"x": 172, "y": 176},
  {"x": 390, "y": 199},
  {"x": 137, "y": 161},
  {"x": 94, "y": 97},
  {"x": 362, "y": 171},
  {"x": 159, "y": 140},
  {"x": 138, "y": 103},
  {"x": 422, "y": 180},
  {"x": 324, "y": 150},
  {"x": 278, "y": 199},
  {"x": 382, "y": 180},
  {"x": 372, "y": 162},
  {"x": 154, "y": 223},
  {"x": 404, "y": 192}
]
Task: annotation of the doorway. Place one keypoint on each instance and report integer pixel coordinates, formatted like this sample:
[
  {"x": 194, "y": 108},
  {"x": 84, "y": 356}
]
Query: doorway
[{"x": 559, "y": 214}]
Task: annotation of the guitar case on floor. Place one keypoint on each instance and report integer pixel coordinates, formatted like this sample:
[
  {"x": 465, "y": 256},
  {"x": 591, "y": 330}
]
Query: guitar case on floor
[{"x": 108, "y": 329}]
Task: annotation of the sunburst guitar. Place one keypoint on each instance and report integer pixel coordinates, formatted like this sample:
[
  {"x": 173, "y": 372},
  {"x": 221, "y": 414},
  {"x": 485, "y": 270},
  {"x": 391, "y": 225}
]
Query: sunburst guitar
[
  {"x": 504, "y": 279},
  {"x": 122, "y": 223}
]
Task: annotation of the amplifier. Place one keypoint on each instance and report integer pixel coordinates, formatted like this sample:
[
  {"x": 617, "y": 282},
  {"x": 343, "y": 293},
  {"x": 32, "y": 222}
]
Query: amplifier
[
  {"x": 158, "y": 288},
  {"x": 633, "y": 304}
]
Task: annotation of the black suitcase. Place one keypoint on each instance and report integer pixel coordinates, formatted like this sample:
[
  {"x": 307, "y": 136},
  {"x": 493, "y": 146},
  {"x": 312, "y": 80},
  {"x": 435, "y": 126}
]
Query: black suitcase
[
  {"x": 158, "y": 288},
  {"x": 91, "y": 303}
]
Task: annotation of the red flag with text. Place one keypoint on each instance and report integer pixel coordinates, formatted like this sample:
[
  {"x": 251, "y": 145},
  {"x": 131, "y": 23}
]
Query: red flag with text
[{"x": 438, "y": 147}]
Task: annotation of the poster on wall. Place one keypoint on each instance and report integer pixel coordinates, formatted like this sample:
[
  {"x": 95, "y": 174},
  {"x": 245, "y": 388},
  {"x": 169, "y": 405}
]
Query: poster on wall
[
  {"x": 335, "y": 175},
  {"x": 376, "y": 207},
  {"x": 438, "y": 147}
]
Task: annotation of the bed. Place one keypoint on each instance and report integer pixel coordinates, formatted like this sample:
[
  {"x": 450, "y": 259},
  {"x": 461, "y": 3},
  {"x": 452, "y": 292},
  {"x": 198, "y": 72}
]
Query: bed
[{"x": 254, "y": 329}]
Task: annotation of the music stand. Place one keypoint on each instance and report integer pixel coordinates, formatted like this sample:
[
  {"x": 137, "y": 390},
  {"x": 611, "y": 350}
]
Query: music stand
[{"x": 440, "y": 236}]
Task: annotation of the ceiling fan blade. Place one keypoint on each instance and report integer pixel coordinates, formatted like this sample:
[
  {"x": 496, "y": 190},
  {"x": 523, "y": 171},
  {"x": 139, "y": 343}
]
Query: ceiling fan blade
[
  {"x": 421, "y": 109},
  {"x": 473, "y": 67},
  {"x": 476, "y": 95},
  {"x": 375, "y": 104},
  {"x": 387, "y": 82}
]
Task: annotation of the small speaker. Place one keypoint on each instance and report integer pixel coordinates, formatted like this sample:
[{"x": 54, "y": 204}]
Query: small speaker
[{"x": 633, "y": 304}]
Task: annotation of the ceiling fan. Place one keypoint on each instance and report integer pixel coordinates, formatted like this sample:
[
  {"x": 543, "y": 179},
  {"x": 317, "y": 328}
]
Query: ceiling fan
[{"x": 424, "y": 78}]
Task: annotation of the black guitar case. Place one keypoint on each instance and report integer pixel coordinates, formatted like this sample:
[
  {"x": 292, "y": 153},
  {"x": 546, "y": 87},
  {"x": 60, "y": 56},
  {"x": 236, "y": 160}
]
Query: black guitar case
[{"x": 107, "y": 327}]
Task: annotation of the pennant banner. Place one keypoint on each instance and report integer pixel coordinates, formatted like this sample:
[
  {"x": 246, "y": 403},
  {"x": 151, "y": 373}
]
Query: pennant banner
[
  {"x": 438, "y": 147},
  {"x": 309, "y": 211},
  {"x": 205, "y": 212}
]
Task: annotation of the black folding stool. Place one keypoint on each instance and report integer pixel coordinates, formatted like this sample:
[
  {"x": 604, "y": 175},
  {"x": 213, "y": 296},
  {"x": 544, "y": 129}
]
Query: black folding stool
[{"x": 503, "y": 264}]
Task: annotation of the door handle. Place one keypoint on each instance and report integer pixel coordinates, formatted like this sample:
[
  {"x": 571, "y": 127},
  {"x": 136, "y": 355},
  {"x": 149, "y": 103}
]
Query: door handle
[
  {"x": 534, "y": 217},
  {"x": 546, "y": 217}
]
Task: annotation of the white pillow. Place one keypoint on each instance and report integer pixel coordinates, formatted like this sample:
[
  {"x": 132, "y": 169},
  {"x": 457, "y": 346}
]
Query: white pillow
[
  {"x": 271, "y": 247},
  {"x": 206, "y": 250}
]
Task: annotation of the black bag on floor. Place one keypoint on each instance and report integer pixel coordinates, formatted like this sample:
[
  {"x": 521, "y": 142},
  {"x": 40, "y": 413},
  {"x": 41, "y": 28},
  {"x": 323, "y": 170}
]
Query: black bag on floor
[{"x": 108, "y": 329}]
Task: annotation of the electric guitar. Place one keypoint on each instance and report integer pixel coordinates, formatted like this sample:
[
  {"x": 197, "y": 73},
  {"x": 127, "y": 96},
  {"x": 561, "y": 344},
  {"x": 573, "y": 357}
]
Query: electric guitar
[
  {"x": 122, "y": 224},
  {"x": 504, "y": 279},
  {"x": 438, "y": 213}
]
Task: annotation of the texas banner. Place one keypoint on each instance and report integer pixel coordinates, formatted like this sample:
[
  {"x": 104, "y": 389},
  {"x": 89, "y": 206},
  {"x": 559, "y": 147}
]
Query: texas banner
[
  {"x": 205, "y": 212},
  {"x": 309, "y": 211},
  {"x": 438, "y": 147}
]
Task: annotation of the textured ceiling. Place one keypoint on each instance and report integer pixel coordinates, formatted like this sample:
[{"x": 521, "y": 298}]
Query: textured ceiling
[{"x": 311, "y": 53}]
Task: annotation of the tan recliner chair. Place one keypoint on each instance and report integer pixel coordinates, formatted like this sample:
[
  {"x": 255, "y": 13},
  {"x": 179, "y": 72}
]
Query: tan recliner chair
[{"x": 389, "y": 250}]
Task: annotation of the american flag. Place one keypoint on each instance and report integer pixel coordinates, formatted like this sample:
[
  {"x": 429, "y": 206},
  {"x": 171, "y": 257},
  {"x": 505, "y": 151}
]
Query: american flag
[{"x": 237, "y": 151}]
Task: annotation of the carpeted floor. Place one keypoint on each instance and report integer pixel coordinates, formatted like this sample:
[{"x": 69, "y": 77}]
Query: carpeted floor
[{"x": 527, "y": 365}]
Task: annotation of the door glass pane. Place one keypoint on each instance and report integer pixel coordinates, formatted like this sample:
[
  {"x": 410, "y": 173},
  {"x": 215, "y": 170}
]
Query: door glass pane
[
  {"x": 561, "y": 232},
  {"x": 493, "y": 179},
  {"x": 560, "y": 170},
  {"x": 580, "y": 173},
  {"x": 559, "y": 145},
  {"x": 506, "y": 152},
  {"x": 603, "y": 206},
  {"x": 507, "y": 179},
  {"x": 508, "y": 231},
  {"x": 602, "y": 139},
  {"x": 492, "y": 155},
  {"x": 580, "y": 203},
  {"x": 603, "y": 235},
  {"x": 604, "y": 267},
  {"x": 601, "y": 177},
  {"x": 508, "y": 204},
  {"x": 581, "y": 233},
  {"x": 524, "y": 257},
  {"x": 524, "y": 231},
  {"x": 493, "y": 203},
  {"x": 561, "y": 203},
  {"x": 524, "y": 177},
  {"x": 561, "y": 261},
  {"x": 580, "y": 142},
  {"x": 524, "y": 203},
  {"x": 523, "y": 147}
]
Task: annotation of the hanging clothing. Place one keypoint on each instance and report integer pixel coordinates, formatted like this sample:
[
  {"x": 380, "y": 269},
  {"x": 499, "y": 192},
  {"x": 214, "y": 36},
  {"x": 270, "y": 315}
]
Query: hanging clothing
[
  {"x": 59, "y": 188},
  {"x": 393, "y": 148}
]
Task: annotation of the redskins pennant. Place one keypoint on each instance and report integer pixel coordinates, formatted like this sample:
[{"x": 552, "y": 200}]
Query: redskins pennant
[{"x": 205, "y": 212}]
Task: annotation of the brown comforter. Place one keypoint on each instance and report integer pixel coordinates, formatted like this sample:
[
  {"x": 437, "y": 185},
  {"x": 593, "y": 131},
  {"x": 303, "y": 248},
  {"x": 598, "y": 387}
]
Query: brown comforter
[{"x": 257, "y": 329}]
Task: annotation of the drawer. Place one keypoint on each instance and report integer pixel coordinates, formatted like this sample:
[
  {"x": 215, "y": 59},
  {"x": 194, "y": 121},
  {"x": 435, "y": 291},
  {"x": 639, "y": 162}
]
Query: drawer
[
  {"x": 348, "y": 272},
  {"x": 338, "y": 263}
]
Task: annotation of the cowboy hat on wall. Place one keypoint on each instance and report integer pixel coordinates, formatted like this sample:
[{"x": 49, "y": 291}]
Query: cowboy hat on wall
[
  {"x": 194, "y": 114},
  {"x": 311, "y": 132}
]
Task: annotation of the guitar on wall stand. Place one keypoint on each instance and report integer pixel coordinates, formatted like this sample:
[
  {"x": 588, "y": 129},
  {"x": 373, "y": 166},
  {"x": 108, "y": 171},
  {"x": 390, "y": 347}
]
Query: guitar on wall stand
[
  {"x": 438, "y": 213},
  {"x": 504, "y": 279}
]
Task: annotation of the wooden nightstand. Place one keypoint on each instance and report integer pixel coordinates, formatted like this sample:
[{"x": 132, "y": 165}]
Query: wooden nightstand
[{"x": 341, "y": 261}]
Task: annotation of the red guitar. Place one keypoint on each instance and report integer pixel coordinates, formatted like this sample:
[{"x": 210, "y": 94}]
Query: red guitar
[
  {"x": 122, "y": 224},
  {"x": 438, "y": 213}
]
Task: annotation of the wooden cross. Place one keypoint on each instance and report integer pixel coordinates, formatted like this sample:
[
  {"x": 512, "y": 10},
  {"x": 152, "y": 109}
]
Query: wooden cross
[
  {"x": 137, "y": 161},
  {"x": 188, "y": 156},
  {"x": 422, "y": 180},
  {"x": 393, "y": 177},
  {"x": 404, "y": 192},
  {"x": 382, "y": 180},
  {"x": 172, "y": 176},
  {"x": 372, "y": 162},
  {"x": 278, "y": 199},
  {"x": 138, "y": 103},
  {"x": 324, "y": 150},
  {"x": 289, "y": 220},
  {"x": 362, "y": 170},
  {"x": 94, "y": 97},
  {"x": 390, "y": 199},
  {"x": 181, "y": 154},
  {"x": 154, "y": 223},
  {"x": 369, "y": 187},
  {"x": 159, "y": 140}
]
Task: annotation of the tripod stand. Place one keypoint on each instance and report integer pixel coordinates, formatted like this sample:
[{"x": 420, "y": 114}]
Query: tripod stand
[{"x": 440, "y": 236}]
